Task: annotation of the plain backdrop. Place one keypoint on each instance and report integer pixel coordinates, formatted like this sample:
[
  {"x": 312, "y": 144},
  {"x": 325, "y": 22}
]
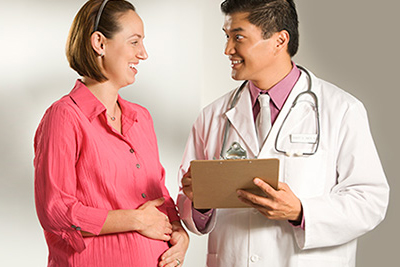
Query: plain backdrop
[{"x": 352, "y": 44}]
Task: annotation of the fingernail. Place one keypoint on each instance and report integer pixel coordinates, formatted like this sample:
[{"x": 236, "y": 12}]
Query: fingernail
[{"x": 257, "y": 181}]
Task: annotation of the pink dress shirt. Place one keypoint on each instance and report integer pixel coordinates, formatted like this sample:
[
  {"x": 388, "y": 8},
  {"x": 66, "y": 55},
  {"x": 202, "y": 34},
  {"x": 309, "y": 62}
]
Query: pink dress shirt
[
  {"x": 84, "y": 168},
  {"x": 278, "y": 94}
]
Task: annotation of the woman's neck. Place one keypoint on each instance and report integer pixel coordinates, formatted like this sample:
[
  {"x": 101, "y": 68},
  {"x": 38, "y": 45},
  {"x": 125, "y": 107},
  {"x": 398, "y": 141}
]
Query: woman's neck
[{"x": 105, "y": 92}]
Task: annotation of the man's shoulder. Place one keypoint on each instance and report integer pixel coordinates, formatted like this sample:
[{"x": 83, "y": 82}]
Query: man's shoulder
[
  {"x": 214, "y": 111},
  {"x": 332, "y": 93},
  {"x": 222, "y": 102},
  {"x": 335, "y": 101}
]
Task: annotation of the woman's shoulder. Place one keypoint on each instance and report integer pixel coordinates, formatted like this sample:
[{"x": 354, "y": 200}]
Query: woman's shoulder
[
  {"x": 59, "y": 115},
  {"x": 62, "y": 107}
]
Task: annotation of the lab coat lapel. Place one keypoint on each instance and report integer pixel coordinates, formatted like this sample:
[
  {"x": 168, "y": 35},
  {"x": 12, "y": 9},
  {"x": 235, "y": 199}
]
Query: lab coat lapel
[
  {"x": 269, "y": 143},
  {"x": 241, "y": 119}
]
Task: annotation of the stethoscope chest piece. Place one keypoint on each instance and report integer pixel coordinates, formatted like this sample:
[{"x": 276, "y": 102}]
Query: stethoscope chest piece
[
  {"x": 236, "y": 151},
  {"x": 306, "y": 100}
]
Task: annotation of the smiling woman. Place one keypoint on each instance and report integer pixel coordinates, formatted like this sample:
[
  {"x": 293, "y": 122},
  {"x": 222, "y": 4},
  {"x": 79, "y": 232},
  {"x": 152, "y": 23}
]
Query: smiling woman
[
  {"x": 99, "y": 185},
  {"x": 122, "y": 53}
]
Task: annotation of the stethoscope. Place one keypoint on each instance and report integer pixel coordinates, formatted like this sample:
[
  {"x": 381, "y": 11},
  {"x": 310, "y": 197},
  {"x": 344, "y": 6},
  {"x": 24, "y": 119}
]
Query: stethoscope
[{"x": 236, "y": 151}]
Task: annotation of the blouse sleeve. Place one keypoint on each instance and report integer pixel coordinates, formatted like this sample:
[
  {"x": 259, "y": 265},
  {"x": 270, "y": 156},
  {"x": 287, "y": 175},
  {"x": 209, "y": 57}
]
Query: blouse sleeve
[{"x": 56, "y": 152}]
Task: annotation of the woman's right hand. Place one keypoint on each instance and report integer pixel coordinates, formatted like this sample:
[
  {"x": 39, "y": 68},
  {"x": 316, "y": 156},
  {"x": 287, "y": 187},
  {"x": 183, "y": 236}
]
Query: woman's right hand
[
  {"x": 151, "y": 222},
  {"x": 147, "y": 220}
]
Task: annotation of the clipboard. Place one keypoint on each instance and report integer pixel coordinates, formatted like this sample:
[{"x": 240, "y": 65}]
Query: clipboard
[{"x": 215, "y": 182}]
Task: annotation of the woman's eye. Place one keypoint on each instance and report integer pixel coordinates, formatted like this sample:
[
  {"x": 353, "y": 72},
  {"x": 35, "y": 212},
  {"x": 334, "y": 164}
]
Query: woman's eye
[{"x": 134, "y": 43}]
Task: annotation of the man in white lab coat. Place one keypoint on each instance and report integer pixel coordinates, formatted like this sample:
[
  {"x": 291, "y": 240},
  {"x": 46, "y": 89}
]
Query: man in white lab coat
[{"x": 332, "y": 186}]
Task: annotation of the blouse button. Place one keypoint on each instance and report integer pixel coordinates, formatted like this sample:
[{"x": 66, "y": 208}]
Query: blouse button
[
  {"x": 76, "y": 227},
  {"x": 143, "y": 195},
  {"x": 138, "y": 166},
  {"x": 131, "y": 150}
]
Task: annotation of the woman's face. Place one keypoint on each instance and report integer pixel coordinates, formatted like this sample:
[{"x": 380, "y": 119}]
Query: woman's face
[{"x": 124, "y": 51}]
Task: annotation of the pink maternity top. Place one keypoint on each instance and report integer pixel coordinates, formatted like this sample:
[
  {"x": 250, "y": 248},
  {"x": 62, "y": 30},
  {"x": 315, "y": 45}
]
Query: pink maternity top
[{"x": 84, "y": 168}]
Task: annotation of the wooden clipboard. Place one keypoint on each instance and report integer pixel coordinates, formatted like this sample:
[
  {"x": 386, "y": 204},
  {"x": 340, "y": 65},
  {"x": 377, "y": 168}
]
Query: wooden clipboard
[{"x": 215, "y": 182}]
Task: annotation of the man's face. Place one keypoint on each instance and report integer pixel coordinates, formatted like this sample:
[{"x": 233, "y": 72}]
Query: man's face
[{"x": 252, "y": 57}]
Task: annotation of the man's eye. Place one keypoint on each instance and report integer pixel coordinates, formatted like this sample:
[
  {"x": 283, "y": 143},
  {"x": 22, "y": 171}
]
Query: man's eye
[{"x": 239, "y": 37}]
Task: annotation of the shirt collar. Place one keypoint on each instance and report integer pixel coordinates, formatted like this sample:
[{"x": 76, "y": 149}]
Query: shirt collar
[
  {"x": 280, "y": 91},
  {"x": 86, "y": 101},
  {"x": 92, "y": 107},
  {"x": 129, "y": 114}
]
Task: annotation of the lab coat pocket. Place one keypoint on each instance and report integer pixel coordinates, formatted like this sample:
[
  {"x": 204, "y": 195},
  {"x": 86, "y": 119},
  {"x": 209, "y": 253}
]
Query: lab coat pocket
[
  {"x": 299, "y": 131},
  {"x": 306, "y": 175}
]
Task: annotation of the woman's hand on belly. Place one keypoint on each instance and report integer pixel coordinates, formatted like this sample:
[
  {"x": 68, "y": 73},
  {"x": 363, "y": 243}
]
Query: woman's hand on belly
[{"x": 151, "y": 222}]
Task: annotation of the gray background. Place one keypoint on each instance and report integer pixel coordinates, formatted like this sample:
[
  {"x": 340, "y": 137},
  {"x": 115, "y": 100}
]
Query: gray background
[{"x": 350, "y": 43}]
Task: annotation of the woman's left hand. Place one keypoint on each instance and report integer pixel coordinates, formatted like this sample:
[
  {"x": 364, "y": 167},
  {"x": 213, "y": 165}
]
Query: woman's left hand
[{"x": 179, "y": 242}]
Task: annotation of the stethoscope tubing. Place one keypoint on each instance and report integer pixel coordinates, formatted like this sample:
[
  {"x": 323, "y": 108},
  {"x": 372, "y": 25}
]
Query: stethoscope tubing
[{"x": 314, "y": 96}]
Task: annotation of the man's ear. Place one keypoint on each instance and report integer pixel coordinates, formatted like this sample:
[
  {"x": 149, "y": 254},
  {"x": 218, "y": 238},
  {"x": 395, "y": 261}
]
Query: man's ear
[
  {"x": 282, "y": 40},
  {"x": 98, "y": 42}
]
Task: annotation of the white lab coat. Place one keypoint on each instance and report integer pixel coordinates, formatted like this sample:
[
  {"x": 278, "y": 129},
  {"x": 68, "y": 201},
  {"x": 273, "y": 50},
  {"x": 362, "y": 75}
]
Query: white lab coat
[{"x": 342, "y": 188}]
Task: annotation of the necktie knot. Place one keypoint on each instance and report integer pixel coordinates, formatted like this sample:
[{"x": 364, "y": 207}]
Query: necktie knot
[{"x": 264, "y": 99}]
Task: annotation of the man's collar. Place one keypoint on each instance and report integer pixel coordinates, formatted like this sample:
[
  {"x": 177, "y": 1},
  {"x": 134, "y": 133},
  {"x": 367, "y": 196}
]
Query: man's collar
[{"x": 280, "y": 91}]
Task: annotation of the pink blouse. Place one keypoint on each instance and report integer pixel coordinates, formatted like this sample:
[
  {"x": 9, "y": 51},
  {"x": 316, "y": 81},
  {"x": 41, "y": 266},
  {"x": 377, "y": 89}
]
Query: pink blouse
[{"x": 84, "y": 168}]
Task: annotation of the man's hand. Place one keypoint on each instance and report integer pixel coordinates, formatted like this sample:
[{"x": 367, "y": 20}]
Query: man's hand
[
  {"x": 179, "y": 243},
  {"x": 281, "y": 204},
  {"x": 187, "y": 185}
]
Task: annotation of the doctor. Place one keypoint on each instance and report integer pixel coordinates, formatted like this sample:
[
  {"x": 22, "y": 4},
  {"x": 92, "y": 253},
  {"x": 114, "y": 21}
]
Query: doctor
[{"x": 332, "y": 186}]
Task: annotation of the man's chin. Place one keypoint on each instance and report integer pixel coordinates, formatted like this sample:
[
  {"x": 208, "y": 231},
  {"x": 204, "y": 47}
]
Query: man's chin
[{"x": 237, "y": 77}]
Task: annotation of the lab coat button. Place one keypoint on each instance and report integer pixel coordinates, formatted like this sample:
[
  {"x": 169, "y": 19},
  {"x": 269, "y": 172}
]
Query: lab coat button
[{"x": 254, "y": 258}]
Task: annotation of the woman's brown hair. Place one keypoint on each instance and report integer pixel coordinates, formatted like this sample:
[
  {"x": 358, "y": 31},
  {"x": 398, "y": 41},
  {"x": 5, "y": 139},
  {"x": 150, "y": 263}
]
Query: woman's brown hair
[{"x": 80, "y": 54}]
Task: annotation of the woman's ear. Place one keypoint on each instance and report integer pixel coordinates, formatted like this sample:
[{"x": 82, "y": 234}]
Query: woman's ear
[{"x": 98, "y": 41}]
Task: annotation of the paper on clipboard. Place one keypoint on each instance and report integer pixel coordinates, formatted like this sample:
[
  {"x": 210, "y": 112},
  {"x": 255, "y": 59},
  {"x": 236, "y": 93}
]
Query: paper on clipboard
[{"x": 215, "y": 182}]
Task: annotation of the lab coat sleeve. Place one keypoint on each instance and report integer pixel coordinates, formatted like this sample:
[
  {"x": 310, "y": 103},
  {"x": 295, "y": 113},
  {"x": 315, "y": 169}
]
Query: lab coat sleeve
[
  {"x": 59, "y": 211},
  {"x": 358, "y": 201},
  {"x": 195, "y": 150}
]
